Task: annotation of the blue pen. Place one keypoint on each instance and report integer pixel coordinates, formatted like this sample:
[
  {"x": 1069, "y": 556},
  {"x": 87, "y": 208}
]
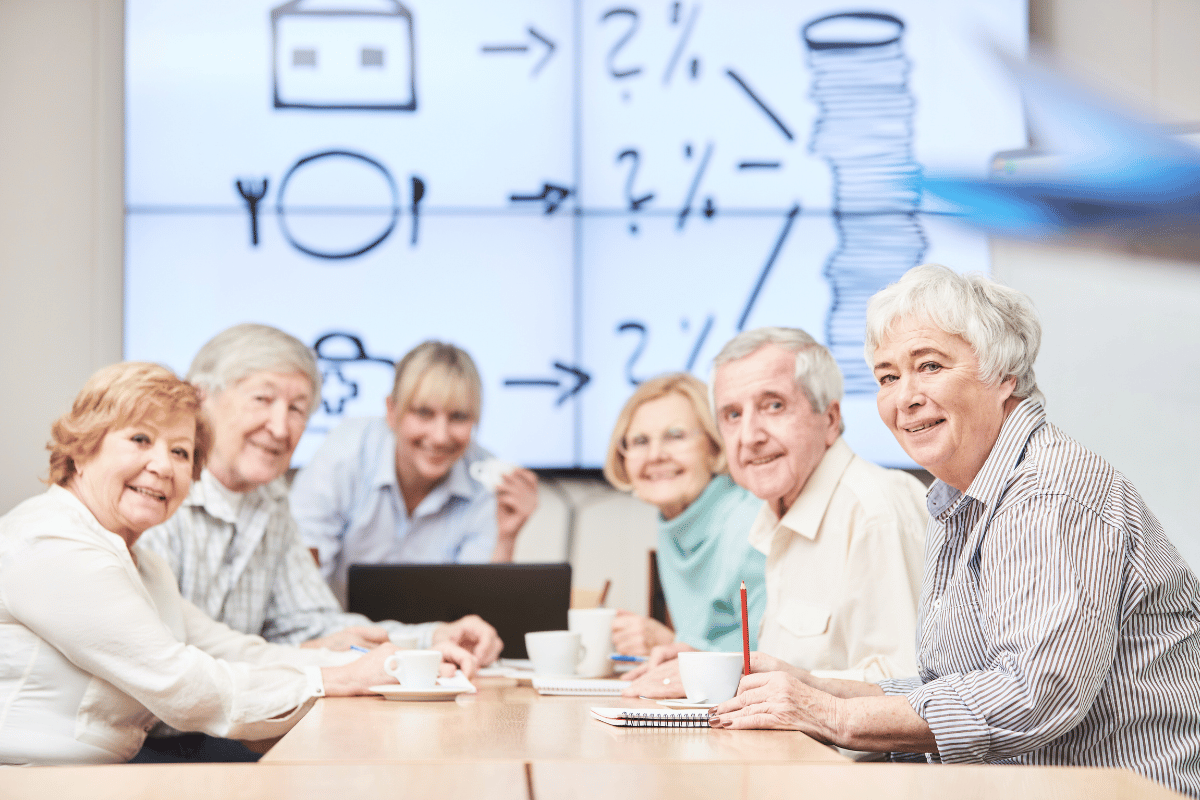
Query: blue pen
[
  {"x": 628, "y": 658},
  {"x": 358, "y": 649}
]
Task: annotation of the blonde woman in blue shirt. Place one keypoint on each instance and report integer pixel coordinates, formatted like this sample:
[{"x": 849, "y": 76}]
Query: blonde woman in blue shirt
[{"x": 666, "y": 450}]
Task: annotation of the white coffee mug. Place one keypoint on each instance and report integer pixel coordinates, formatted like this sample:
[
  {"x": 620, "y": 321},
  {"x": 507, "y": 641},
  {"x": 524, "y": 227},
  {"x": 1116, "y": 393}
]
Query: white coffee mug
[
  {"x": 415, "y": 669},
  {"x": 710, "y": 677},
  {"x": 554, "y": 652},
  {"x": 594, "y": 626}
]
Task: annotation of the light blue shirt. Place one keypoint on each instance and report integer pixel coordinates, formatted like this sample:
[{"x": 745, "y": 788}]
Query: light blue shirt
[{"x": 348, "y": 505}]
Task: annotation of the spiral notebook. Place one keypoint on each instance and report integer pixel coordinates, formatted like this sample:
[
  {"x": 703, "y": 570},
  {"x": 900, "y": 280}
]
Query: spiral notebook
[
  {"x": 652, "y": 717},
  {"x": 593, "y": 686}
]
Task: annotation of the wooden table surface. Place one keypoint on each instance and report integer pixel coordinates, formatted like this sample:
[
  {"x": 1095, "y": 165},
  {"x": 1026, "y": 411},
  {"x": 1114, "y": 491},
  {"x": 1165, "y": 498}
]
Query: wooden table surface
[
  {"x": 480, "y": 779},
  {"x": 504, "y": 721},
  {"x": 573, "y": 780}
]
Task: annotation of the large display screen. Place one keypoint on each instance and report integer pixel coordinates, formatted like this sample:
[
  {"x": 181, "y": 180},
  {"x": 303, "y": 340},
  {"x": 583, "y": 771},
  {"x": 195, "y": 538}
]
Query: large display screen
[{"x": 581, "y": 194}]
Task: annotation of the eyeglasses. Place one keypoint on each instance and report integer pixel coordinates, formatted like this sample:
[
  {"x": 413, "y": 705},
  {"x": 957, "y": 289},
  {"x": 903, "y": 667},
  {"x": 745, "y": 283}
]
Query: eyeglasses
[{"x": 672, "y": 440}]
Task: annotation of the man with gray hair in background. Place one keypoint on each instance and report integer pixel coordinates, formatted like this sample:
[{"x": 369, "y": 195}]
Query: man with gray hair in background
[
  {"x": 234, "y": 546},
  {"x": 844, "y": 538}
]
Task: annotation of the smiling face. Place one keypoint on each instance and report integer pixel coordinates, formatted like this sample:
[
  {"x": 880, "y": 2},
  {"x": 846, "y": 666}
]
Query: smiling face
[
  {"x": 430, "y": 437},
  {"x": 932, "y": 399},
  {"x": 668, "y": 457},
  {"x": 257, "y": 423},
  {"x": 139, "y": 476},
  {"x": 773, "y": 438}
]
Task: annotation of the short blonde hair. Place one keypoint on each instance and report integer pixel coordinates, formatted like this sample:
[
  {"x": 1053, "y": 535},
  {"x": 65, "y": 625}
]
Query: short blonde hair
[
  {"x": 117, "y": 396},
  {"x": 445, "y": 374},
  {"x": 680, "y": 383}
]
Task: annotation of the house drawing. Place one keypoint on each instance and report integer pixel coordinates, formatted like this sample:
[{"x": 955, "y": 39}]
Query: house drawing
[{"x": 343, "y": 54}]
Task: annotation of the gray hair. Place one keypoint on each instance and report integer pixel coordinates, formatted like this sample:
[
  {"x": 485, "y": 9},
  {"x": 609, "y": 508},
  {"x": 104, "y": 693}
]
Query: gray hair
[
  {"x": 817, "y": 374},
  {"x": 238, "y": 352},
  {"x": 999, "y": 323}
]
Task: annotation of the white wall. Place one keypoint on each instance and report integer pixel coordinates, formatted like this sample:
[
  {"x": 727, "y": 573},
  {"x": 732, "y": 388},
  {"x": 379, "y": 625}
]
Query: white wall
[{"x": 1119, "y": 363}]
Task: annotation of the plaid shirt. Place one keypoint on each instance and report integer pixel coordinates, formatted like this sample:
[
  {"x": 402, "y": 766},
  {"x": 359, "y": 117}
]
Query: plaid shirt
[
  {"x": 1057, "y": 623},
  {"x": 247, "y": 567}
]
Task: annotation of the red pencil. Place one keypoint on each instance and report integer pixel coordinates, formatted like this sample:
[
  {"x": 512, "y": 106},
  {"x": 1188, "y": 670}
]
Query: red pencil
[{"x": 745, "y": 630}]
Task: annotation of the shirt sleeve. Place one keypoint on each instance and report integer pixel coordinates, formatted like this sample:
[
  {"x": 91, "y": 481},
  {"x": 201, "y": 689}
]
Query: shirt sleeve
[
  {"x": 322, "y": 502},
  {"x": 1050, "y": 582},
  {"x": 301, "y": 605},
  {"x": 90, "y": 606}
]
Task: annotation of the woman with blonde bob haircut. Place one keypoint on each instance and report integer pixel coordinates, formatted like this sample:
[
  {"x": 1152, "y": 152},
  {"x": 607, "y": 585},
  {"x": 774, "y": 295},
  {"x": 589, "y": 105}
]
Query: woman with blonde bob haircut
[
  {"x": 404, "y": 489},
  {"x": 98, "y": 643},
  {"x": 1057, "y": 624},
  {"x": 666, "y": 450}
]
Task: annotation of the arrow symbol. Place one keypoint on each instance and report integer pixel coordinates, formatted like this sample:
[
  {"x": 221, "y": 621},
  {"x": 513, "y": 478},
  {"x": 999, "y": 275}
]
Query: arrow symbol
[
  {"x": 495, "y": 49},
  {"x": 581, "y": 380},
  {"x": 551, "y": 194}
]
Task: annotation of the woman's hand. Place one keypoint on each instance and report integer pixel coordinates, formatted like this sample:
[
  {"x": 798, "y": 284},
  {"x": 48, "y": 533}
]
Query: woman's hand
[
  {"x": 659, "y": 655},
  {"x": 778, "y": 701},
  {"x": 359, "y": 675},
  {"x": 635, "y": 635},
  {"x": 659, "y": 683},
  {"x": 516, "y": 500}
]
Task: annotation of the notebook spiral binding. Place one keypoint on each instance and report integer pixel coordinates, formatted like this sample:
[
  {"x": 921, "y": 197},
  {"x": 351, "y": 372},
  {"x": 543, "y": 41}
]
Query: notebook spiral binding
[{"x": 649, "y": 719}]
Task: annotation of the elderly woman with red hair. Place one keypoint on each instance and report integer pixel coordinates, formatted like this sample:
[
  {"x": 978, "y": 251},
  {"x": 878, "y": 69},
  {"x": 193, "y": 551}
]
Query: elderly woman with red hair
[{"x": 97, "y": 643}]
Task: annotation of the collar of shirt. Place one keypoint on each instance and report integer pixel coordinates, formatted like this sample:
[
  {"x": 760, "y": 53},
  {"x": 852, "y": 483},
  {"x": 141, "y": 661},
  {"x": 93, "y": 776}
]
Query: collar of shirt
[
  {"x": 806, "y": 513},
  {"x": 458, "y": 482},
  {"x": 988, "y": 485},
  {"x": 218, "y": 501}
]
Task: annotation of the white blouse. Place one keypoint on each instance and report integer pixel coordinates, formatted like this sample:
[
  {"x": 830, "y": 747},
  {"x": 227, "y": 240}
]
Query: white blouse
[{"x": 94, "y": 649}]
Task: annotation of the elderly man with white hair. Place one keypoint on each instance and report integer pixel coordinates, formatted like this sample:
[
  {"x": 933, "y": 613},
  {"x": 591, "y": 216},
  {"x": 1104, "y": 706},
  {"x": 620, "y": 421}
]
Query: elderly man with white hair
[
  {"x": 234, "y": 546},
  {"x": 1058, "y": 624},
  {"x": 843, "y": 537}
]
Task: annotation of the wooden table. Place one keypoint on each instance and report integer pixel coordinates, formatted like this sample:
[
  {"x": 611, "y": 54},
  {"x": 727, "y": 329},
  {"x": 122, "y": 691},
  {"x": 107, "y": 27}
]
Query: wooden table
[
  {"x": 573, "y": 780},
  {"x": 504, "y": 721},
  {"x": 490, "y": 779}
]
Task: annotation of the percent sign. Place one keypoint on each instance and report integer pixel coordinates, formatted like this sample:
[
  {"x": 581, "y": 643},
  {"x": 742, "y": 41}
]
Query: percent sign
[
  {"x": 684, "y": 20},
  {"x": 636, "y": 203}
]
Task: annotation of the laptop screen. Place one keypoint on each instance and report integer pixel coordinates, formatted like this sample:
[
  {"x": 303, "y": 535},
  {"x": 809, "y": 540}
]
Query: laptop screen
[{"x": 514, "y": 598}]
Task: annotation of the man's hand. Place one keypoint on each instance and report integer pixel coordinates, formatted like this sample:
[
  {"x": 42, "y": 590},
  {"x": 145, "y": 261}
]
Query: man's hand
[
  {"x": 364, "y": 636},
  {"x": 454, "y": 657},
  {"x": 659, "y": 683},
  {"x": 516, "y": 500},
  {"x": 635, "y": 635},
  {"x": 474, "y": 636}
]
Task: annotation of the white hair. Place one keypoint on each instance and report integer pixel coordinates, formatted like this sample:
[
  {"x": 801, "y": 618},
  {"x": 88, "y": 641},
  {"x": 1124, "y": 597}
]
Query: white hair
[
  {"x": 238, "y": 352},
  {"x": 999, "y": 323},
  {"x": 817, "y": 374}
]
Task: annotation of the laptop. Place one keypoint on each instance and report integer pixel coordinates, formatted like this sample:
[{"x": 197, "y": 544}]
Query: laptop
[{"x": 514, "y": 598}]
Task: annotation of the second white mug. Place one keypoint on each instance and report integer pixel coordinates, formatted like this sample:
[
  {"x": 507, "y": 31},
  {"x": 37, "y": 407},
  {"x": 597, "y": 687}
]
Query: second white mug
[
  {"x": 594, "y": 626},
  {"x": 554, "y": 652}
]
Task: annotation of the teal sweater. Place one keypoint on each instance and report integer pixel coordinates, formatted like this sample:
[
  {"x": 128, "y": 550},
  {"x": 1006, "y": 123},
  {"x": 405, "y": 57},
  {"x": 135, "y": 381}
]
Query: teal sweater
[{"x": 703, "y": 556}]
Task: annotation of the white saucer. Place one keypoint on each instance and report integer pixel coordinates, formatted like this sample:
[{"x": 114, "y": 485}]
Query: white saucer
[
  {"x": 684, "y": 704},
  {"x": 447, "y": 689}
]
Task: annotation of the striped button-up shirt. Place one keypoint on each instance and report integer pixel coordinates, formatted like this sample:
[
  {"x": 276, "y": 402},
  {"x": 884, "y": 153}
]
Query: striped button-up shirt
[{"x": 1057, "y": 623}]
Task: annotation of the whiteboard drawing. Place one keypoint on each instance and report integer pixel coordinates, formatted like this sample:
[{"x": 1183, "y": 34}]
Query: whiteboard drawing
[
  {"x": 332, "y": 54},
  {"x": 588, "y": 193},
  {"x": 370, "y": 191},
  {"x": 864, "y": 129}
]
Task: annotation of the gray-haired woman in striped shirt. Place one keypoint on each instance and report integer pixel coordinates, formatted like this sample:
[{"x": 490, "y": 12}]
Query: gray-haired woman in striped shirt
[{"x": 1058, "y": 624}]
